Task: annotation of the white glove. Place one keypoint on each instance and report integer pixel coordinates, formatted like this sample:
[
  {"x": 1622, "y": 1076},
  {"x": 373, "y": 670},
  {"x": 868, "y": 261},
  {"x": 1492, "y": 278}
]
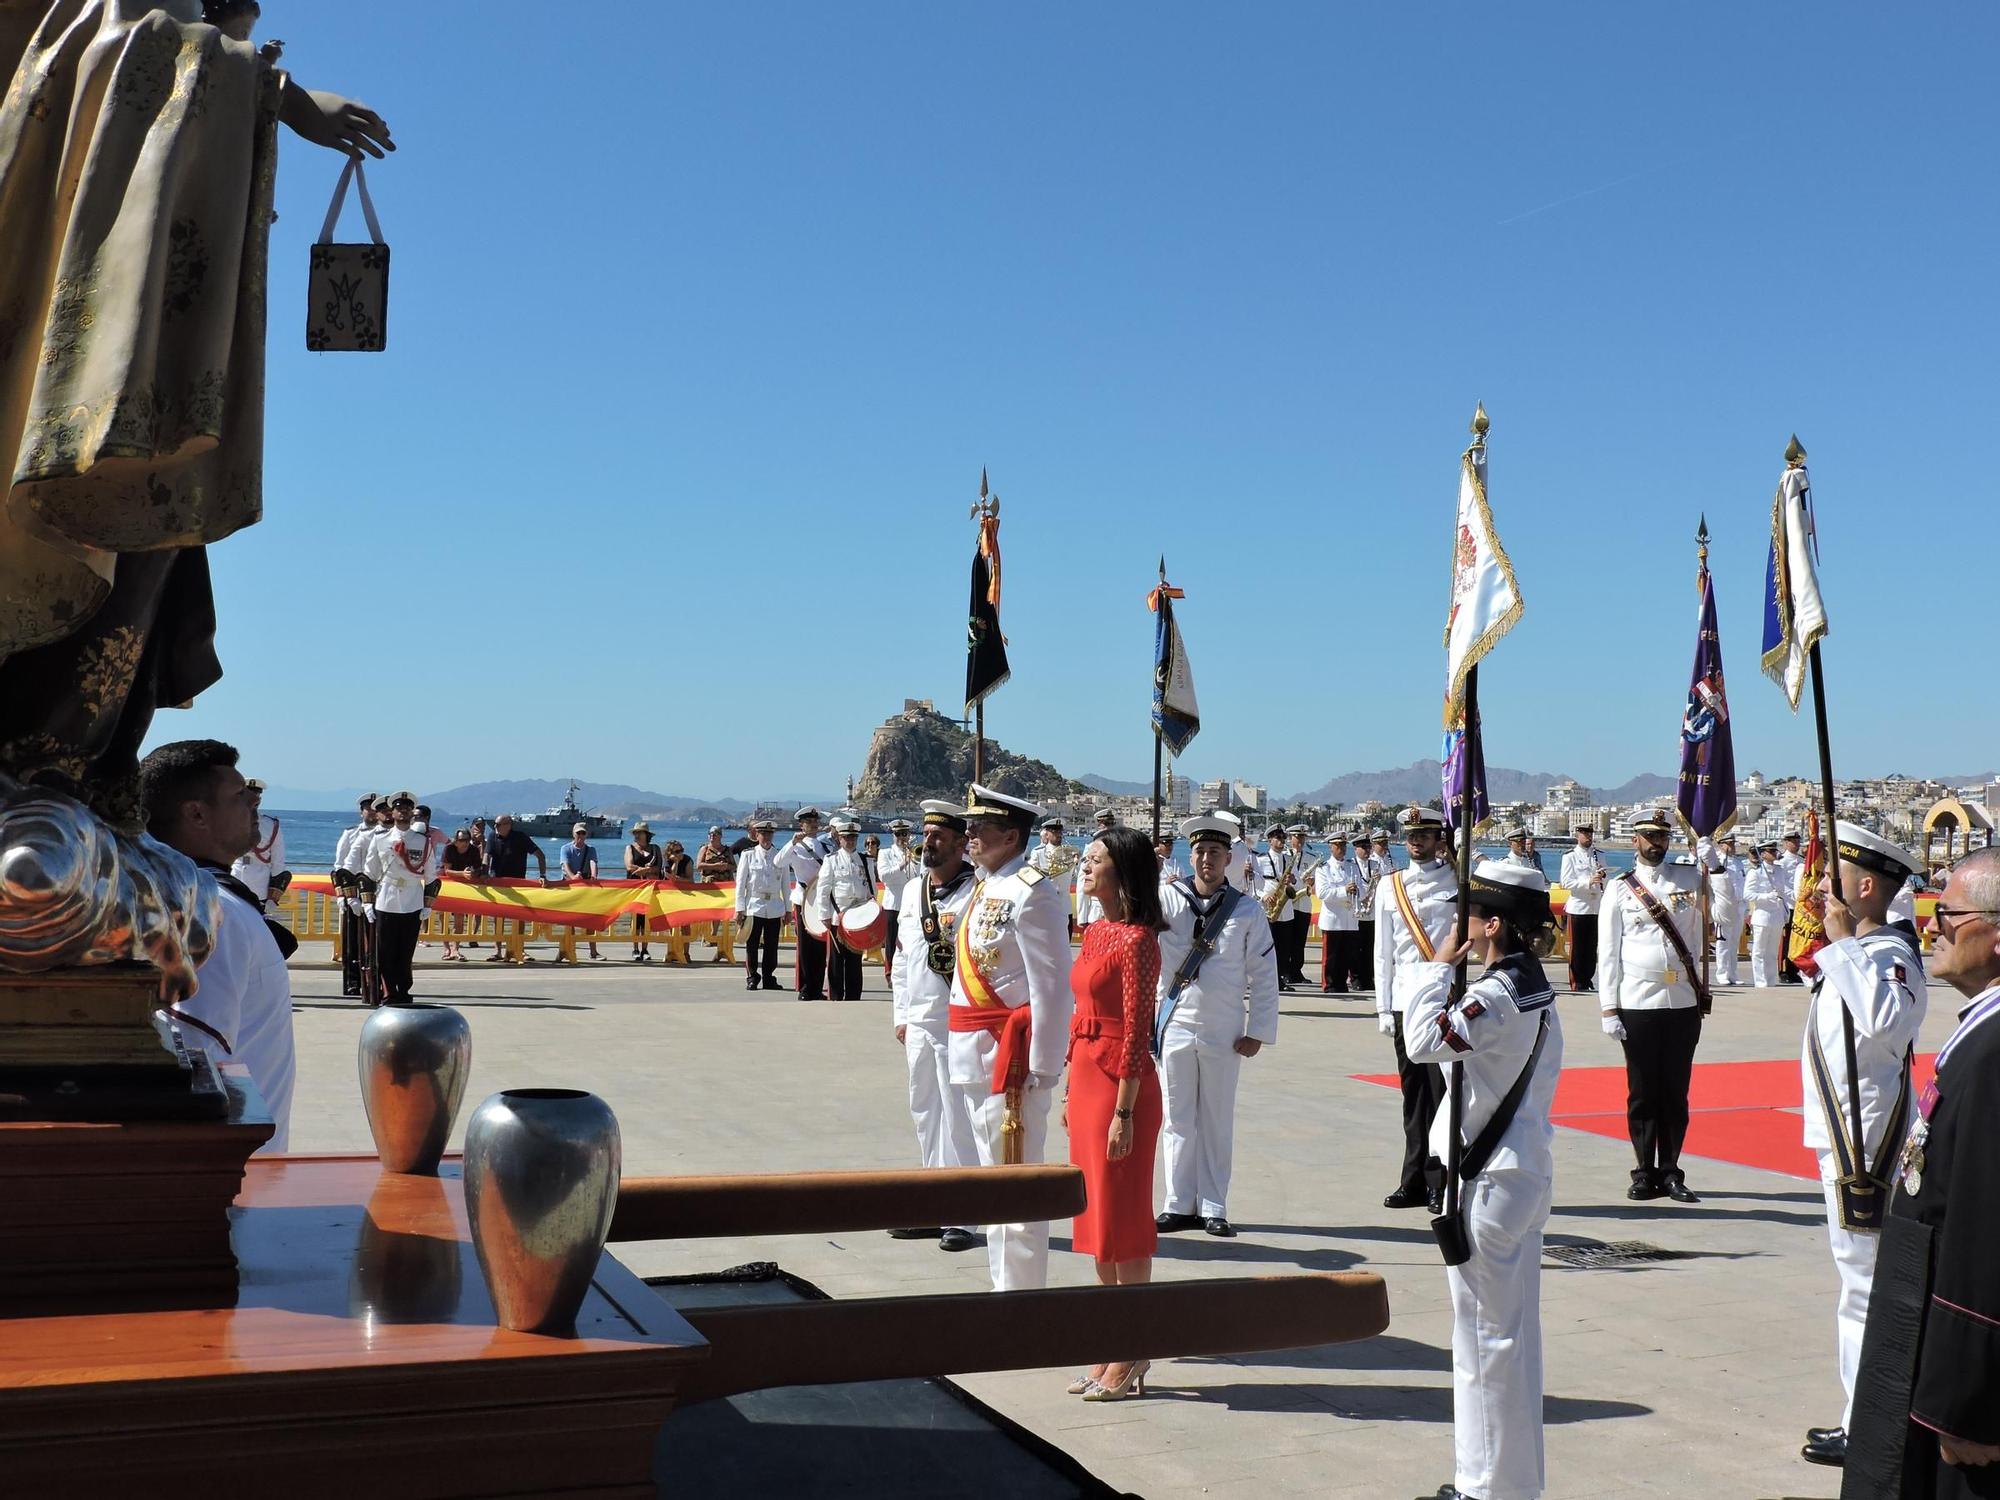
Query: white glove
[
  {"x": 1386, "y": 1023},
  {"x": 1614, "y": 1028},
  {"x": 1039, "y": 1081}
]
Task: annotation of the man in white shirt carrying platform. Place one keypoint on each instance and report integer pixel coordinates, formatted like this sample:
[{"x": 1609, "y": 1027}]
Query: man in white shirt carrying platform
[
  {"x": 197, "y": 802},
  {"x": 1217, "y": 1004},
  {"x": 1653, "y": 1001},
  {"x": 1583, "y": 875}
]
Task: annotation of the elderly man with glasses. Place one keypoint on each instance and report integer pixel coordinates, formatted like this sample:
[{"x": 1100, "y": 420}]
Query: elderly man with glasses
[{"x": 1927, "y": 1397}]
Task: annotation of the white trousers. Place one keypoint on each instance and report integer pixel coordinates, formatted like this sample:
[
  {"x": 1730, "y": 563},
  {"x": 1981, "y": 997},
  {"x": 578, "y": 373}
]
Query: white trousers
[
  {"x": 1728, "y": 943},
  {"x": 1764, "y": 939},
  {"x": 944, "y": 1128},
  {"x": 1854, "y": 1259},
  {"x": 1496, "y": 1338},
  {"x": 1198, "y": 1134},
  {"x": 1016, "y": 1254}
]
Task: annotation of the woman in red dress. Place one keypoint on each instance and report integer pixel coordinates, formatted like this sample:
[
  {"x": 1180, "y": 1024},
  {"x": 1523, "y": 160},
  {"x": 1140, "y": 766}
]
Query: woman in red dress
[{"x": 1112, "y": 1111}]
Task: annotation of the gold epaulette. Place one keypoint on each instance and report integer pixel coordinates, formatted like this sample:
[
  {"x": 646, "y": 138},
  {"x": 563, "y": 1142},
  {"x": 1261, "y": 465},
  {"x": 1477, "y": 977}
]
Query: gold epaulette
[{"x": 1030, "y": 876}]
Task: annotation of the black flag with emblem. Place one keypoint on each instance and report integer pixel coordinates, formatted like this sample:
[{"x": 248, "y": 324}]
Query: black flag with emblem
[{"x": 985, "y": 648}]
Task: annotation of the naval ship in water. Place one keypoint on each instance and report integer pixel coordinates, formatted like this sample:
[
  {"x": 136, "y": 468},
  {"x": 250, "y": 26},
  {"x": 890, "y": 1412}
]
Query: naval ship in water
[{"x": 557, "y": 822}]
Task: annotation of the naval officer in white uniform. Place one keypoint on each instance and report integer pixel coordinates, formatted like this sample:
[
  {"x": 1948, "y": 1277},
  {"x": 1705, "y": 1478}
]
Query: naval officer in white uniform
[
  {"x": 900, "y": 863},
  {"x": 1869, "y": 970},
  {"x": 1769, "y": 912},
  {"x": 934, "y": 902},
  {"x": 1225, "y": 1010},
  {"x": 1058, "y": 861},
  {"x": 262, "y": 867},
  {"x": 1725, "y": 906},
  {"x": 347, "y": 861},
  {"x": 1652, "y": 1002},
  {"x": 1428, "y": 891},
  {"x": 1505, "y": 1026},
  {"x": 1338, "y": 882},
  {"x": 1010, "y": 1010}
]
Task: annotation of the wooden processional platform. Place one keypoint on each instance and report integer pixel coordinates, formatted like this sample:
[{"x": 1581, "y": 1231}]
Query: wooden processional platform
[{"x": 361, "y": 1358}]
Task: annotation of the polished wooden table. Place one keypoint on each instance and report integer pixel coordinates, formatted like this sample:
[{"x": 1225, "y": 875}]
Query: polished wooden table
[{"x": 361, "y": 1359}]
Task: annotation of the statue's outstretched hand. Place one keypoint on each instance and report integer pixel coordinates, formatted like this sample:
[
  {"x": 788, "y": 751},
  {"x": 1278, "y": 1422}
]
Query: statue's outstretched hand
[{"x": 334, "y": 122}]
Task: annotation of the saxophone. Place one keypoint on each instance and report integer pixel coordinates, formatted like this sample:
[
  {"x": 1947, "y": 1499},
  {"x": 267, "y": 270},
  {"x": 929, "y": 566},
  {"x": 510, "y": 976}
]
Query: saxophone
[{"x": 1281, "y": 895}]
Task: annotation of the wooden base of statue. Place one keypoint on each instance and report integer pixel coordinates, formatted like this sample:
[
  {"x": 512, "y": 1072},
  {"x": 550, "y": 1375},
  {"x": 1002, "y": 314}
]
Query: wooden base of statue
[
  {"x": 119, "y": 1158},
  {"x": 360, "y": 1358}
]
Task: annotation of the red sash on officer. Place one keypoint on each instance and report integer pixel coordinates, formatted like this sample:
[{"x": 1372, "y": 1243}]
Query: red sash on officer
[{"x": 1009, "y": 1024}]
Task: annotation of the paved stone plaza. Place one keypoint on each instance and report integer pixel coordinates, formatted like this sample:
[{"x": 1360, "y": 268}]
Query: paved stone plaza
[{"x": 1691, "y": 1377}]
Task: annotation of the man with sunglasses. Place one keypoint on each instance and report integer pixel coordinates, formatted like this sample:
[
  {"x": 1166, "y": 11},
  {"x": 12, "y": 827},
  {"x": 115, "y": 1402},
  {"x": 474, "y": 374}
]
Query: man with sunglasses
[
  {"x": 1927, "y": 1397},
  {"x": 1649, "y": 931}
]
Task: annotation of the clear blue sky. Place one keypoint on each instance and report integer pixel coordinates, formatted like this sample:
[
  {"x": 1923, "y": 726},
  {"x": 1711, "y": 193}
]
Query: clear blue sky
[{"x": 704, "y": 320}]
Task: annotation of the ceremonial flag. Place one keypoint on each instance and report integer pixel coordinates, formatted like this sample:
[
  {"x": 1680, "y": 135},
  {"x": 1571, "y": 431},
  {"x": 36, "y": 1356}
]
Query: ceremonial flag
[
  {"x": 1794, "y": 613},
  {"x": 1808, "y": 930},
  {"x": 1176, "y": 716},
  {"x": 1707, "y": 797},
  {"x": 985, "y": 647},
  {"x": 1464, "y": 760},
  {"x": 1485, "y": 600}
]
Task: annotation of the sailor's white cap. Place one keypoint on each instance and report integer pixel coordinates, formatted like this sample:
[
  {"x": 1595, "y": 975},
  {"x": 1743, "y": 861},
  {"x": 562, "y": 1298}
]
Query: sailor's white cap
[
  {"x": 1873, "y": 852},
  {"x": 1518, "y": 890},
  {"x": 1230, "y": 818},
  {"x": 941, "y": 813},
  {"x": 845, "y": 825},
  {"x": 1413, "y": 817},
  {"x": 983, "y": 801},
  {"x": 1654, "y": 822},
  {"x": 1216, "y": 828}
]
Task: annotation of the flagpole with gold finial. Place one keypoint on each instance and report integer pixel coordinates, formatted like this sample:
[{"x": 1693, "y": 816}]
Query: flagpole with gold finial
[
  {"x": 985, "y": 508},
  {"x": 1158, "y": 739},
  {"x": 1701, "y": 870}
]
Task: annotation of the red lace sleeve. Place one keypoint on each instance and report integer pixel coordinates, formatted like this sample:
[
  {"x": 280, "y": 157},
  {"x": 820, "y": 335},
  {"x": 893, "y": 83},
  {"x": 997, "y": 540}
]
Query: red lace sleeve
[{"x": 1138, "y": 960}]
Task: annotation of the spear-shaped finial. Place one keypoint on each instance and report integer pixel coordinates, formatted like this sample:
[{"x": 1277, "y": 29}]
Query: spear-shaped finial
[
  {"x": 982, "y": 481},
  {"x": 1163, "y": 567},
  {"x": 1701, "y": 551},
  {"x": 1794, "y": 453},
  {"x": 1479, "y": 422}
]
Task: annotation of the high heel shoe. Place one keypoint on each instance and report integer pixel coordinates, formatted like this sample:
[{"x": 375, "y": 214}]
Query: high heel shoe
[
  {"x": 1134, "y": 1384},
  {"x": 1083, "y": 1385}
]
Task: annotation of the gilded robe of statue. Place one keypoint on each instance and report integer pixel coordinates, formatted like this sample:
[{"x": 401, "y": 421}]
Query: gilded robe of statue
[{"x": 137, "y": 159}]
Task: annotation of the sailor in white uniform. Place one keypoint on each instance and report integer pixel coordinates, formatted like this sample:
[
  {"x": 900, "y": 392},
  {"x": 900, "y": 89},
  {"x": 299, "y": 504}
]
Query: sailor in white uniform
[
  {"x": 1242, "y": 872},
  {"x": 1652, "y": 1002},
  {"x": 347, "y": 863},
  {"x": 1517, "y": 849},
  {"x": 1215, "y": 1008},
  {"x": 1769, "y": 912},
  {"x": 1583, "y": 876},
  {"x": 1163, "y": 851},
  {"x": 1058, "y": 862},
  {"x": 934, "y": 902},
  {"x": 1868, "y": 1004},
  {"x": 1274, "y": 872},
  {"x": 1791, "y": 867},
  {"x": 1010, "y": 1011},
  {"x": 1505, "y": 1029},
  {"x": 761, "y": 904},
  {"x": 402, "y": 862},
  {"x": 1725, "y": 904},
  {"x": 1428, "y": 891},
  {"x": 898, "y": 865},
  {"x": 1338, "y": 883},
  {"x": 844, "y": 883},
  {"x": 1304, "y": 863},
  {"x": 262, "y": 867},
  {"x": 799, "y": 861}
]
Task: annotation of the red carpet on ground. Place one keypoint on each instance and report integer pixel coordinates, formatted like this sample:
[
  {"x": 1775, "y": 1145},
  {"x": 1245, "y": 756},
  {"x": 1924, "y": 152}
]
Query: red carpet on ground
[{"x": 1742, "y": 1112}]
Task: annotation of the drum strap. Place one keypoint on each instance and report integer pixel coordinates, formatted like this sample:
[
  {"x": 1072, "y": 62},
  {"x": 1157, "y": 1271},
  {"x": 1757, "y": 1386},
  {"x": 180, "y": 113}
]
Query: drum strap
[{"x": 939, "y": 953}]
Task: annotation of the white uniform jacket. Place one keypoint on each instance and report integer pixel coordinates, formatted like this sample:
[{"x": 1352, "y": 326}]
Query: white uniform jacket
[
  {"x": 799, "y": 861},
  {"x": 1060, "y": 863},
  {"x": 1879, "y": 978},
  {"x": 1433, "y": 893},
  {"x": 1791, "y": 867},
  {"x": 1242, "y": 871},
  {"x": 1762, "y": 898},
  {"x": 1725, "y": 885},
  {"x": 264, "y": 861},
  {"x": 760, "y": 884},
  {"x": 1172, "y": 871},
  {"x": 896, "y": 867},
  {"x": 1637, "y": 967},
  {"x": 347, "y": 848},
  {"x": 1274, "y": 869},
  {"x": 1304, "y": 865},
  {"x": 1019, "y": 938},
  {"x": 921, "y": 995},
  {"x": 1236, "y": 992},
  {"x": 1581, "y": 868},
  {"x": 244, "y": 991},
  {"x": 402, "y": 861},
  {"x": 1339, "y": 883},
  {"x": 1492, "y": 1032},
  {"x": 843, "y": 883}
]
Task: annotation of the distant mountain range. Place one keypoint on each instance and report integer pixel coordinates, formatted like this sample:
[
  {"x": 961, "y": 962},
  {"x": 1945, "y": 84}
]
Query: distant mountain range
[
  {"x": 1420, "y": 781},
  {"x": 491, "y": 797},
  {"x": 1116, "y": 788}
]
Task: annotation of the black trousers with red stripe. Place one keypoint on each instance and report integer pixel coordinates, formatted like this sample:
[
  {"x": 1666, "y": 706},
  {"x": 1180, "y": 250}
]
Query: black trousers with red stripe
[{"x": 809, "y": 964}]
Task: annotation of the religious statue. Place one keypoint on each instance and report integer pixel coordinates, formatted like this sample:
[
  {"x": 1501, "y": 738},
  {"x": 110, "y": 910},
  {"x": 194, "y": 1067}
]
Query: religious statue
[{"x": 138, "y": 151}]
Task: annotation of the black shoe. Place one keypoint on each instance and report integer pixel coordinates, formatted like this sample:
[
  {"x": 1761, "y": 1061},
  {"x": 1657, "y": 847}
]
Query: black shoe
[
  {"x": 1406, "y": 1198},
  {"x": 916, "y": 1234},
  {"x": 1678, "y": 1190},
  {"x": 771, "y": 984},
  {"x": 959, "y": 1239},
  {"x": 1643, "y": 1190},
  {"x": 1435, "y": 1203},
  {"x": 1220, "y": 1227},
  {"x": 1174, "y": 1223},
  {"x": 754, "y": 986},
  {"x": 1452, "y": 1492},
  {"x": 1830, "y": 1449},
  {"x": 1821, "y": 1434}
]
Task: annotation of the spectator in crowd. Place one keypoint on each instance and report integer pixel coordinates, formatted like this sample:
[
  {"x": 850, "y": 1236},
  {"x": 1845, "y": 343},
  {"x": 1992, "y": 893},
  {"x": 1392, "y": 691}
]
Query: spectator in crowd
[
  {"x": 579, "y": 865},
  {"x": 461, "y": 862},
  {"x": 642, "y": 862},
  {"x": 676, "y": 864},
  {"x": 507, "y": 854},
  {"x": 714, "y": 862},
  {"x": 197, "y": 802},
  {"x": 478, "y": 843}
]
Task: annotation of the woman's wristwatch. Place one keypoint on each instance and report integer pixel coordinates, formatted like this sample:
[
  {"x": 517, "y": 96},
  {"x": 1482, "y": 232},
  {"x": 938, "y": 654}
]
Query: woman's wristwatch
[{"x": 1123, "y": 1114}]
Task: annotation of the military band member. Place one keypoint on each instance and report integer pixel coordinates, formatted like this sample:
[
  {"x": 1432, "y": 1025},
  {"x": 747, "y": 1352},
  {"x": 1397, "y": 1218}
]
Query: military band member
[
  {"x": 1416, "y": 909},
  {"x": 1303, "y": 865},
  {"x": 402, "y": 862},
  {"x": 262, "y": 867},
  {"x": 1583, "y": 876},
  {"x": 934, "y": 903},
  {"x": 1505, "y": 1029},
  {"x": 1770, "y": 915},
  {"x": 1010, "y": 1013},
  {"x": 760, "y": 906},
  {"x": 346, "y": 887},
  {"x": 1337, "y": 882},
  {"x": 799, "y": 861},
  {"x": 1652, "y": 1001},
  {"x": 898, "y": 865},
  {"x": 1216, "y": 1007},
  {"x": 1058, "y": 862},
  {"x": 844, "y": 883},
  {"x": 1725, "y": 906},
  {"x": 1242, "y": 859},
  {"x": 1381, "y": 865},
  {"x": 1870, "y": 971},
  {"x": 1274, "y": 893}
]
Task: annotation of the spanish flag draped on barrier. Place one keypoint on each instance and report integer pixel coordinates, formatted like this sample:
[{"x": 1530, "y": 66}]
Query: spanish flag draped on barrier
[{"x": 591, "y": 908}]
